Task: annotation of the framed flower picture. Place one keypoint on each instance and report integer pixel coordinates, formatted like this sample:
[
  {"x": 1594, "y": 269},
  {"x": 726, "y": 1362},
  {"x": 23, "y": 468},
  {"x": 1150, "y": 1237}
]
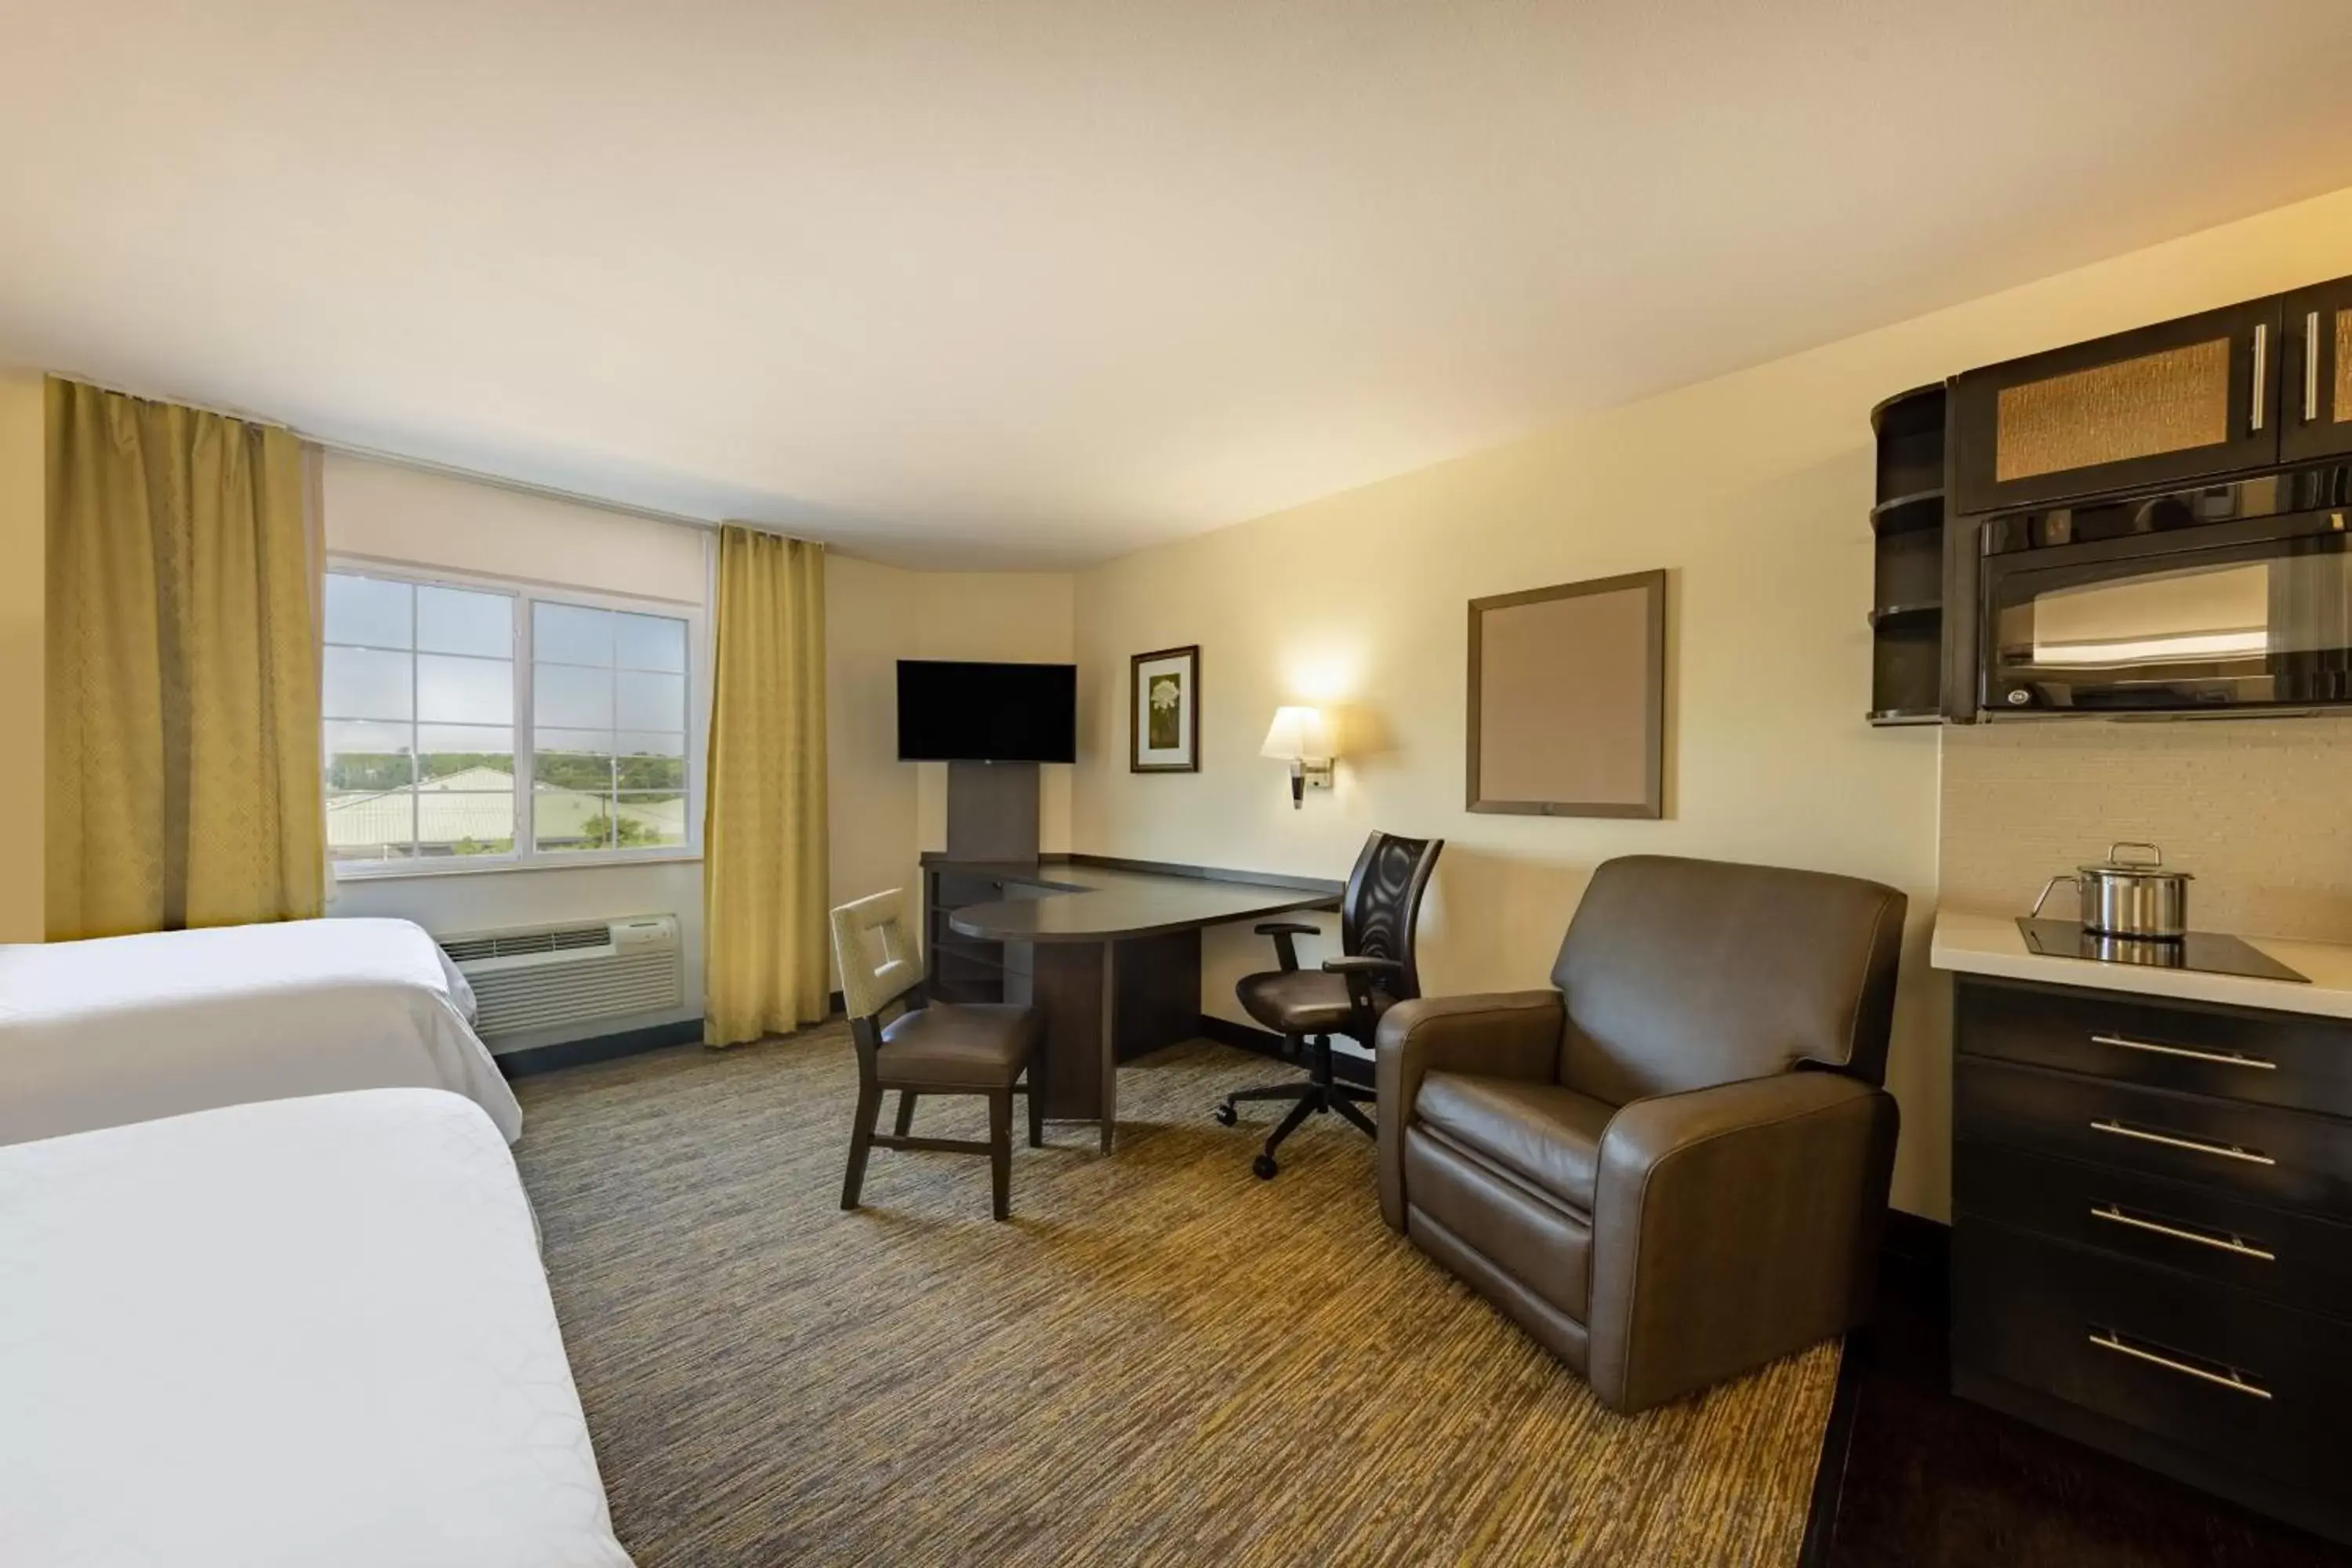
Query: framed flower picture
[{"x": 1164, "y": 710}]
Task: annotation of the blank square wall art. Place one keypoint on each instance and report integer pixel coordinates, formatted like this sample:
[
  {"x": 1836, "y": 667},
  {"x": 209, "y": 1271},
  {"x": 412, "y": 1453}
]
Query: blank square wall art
[{"x": 1568, "y": 695}]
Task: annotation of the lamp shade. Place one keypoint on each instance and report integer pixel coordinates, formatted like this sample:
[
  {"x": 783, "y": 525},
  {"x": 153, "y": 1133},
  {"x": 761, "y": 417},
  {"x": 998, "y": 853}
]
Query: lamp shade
[{"x": 1295, "y": 733}]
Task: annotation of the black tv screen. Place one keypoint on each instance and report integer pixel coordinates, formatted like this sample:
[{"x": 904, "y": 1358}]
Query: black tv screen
[{"x": 953, "y": 712}]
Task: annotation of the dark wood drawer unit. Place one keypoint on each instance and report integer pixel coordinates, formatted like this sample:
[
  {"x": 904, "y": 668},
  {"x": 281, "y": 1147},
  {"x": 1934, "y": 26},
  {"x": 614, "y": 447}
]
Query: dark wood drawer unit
[
  {"x": 2268, "y": 1059},
  {"x": 2152, "y": 1232},
  {"x": 2252, "y": 1382},
  {"x": 2292, "y": 1258}
]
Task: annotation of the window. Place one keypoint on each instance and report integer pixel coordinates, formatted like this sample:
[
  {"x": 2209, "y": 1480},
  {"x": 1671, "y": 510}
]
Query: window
[{"x": 477, "y": 722}]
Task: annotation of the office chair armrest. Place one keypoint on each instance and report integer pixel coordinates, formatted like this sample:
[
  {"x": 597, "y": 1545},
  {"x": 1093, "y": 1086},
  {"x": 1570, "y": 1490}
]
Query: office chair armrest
[
  {"x": 1732, "y": 1225},
  {"x": 1509, "y": 1034},
  {"x": 1282, "y": 931},
  {"x": 1364, "y": 964},
  {"x": 1361, "y": 970}
]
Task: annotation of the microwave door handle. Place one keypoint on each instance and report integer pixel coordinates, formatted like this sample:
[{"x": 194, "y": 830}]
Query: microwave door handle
[{"x": 2262, "y": 365}]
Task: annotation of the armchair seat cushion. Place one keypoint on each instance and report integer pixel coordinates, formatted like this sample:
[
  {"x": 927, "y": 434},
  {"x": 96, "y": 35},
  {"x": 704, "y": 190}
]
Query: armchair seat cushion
[
  {"x": 1302, "y": 1001},
  {"x": 975, "y": 1045},
  {"x": 1544, "y": 1134}
]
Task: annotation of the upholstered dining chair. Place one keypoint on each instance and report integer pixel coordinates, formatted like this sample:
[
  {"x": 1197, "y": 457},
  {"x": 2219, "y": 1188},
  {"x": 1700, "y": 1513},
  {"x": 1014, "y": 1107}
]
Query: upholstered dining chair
[
  {"x": 1377, "y": 969},
  {"x": 983, "y": 1049},
  {"x": 1671, "y": 1164}
]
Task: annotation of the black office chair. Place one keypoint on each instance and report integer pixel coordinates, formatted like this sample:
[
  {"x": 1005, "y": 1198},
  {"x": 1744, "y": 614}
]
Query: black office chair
[{"x": 1348, "y": 994}]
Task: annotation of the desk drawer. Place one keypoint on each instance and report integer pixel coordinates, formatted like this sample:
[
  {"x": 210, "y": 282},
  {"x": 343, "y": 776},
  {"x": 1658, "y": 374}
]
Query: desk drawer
[
  {"x": 2288, "y": 1258},
  {"x": 2267, "y": 1058},
  {"x": 2245, "y": 1151},
  {"x": 2264, "y": 1387}
]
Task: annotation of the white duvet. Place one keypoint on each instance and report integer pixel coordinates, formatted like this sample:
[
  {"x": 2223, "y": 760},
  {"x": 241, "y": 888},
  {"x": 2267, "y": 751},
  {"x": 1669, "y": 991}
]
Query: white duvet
[
  {"x": 119, "y": 1029},
  {"x": 307, "y": 1333}
]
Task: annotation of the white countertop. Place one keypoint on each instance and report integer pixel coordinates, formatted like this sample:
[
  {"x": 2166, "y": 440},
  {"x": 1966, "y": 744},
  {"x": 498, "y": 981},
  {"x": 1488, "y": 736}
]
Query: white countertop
[{"x": 1976, "y": 943}]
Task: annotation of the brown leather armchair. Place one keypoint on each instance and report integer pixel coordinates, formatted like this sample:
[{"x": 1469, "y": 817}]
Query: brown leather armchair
[{"x": 1671, "y": 1166}]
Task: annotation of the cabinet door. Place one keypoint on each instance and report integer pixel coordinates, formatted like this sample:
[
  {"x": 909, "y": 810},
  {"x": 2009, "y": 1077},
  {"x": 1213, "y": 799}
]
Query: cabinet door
[
  {"x": 2316, "y": 373},
  {"x": 2180, "y": 401}
]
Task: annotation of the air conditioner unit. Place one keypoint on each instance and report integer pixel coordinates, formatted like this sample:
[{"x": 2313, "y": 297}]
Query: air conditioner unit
[{"x": 540, "y": 977}]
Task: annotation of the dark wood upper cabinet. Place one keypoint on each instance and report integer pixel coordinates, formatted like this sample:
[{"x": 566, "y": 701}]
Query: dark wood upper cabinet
[
  {"x": 2178, "y": 401},
  {"x": 2316, "y": 373}
]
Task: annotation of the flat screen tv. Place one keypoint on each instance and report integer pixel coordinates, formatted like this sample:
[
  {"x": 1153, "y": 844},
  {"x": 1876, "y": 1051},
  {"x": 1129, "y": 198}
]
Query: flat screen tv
[{"x": 955, "y": 712}]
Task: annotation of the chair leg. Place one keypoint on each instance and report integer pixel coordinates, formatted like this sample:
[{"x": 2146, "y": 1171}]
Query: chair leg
[
  {"x": 906, "y": 1111},
  {"x": 1264, "y": 1166},
  {"x": 1036, "y": 1095},
  {"x": 861, "y": 1142},
  {"x": 1000, "y": 1151},
  {"x": 1348, "y": 1111}
]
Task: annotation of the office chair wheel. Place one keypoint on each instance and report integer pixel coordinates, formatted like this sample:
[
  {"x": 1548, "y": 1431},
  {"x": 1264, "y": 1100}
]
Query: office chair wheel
[
  {"x": 1225, "y": 1114},
  {"x": 1264, "y": 1167}
]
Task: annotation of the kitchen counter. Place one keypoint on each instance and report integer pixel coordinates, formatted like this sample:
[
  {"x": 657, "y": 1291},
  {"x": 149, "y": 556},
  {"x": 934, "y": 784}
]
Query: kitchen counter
[{"x": 1974, "y": 943}]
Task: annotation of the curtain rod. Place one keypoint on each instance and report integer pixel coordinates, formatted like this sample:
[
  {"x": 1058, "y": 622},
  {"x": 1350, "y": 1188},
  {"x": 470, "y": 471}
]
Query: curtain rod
[{"x": 446, "y": 471}]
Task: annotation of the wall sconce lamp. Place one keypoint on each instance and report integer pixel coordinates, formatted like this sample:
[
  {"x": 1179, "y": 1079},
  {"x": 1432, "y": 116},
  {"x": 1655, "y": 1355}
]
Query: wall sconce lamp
[{"x": 1298, "y": 737}]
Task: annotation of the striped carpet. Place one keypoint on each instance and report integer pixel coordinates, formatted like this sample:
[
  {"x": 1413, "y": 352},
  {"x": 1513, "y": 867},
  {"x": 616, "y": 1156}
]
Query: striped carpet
[{"x": 1158, "y": 1359}]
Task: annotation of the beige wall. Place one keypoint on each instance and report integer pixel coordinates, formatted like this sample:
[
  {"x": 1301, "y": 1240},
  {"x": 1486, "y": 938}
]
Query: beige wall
[
  {"x": 1019, "y": 618},
  {"x": 1753, "y": 491},
  {"x": 24, "y": 528},
  {"x": 2249, "y": 807},
  {"x": 868, "y": 623}
]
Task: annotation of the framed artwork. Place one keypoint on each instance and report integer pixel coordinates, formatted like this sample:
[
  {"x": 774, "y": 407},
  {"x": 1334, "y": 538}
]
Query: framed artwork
[
  {"x": 1568, "y": 700},
  {"x": 1164, "y": 711}
]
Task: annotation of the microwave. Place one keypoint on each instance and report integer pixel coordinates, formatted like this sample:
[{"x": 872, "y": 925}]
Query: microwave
[{"x": 2231, "y": 599}]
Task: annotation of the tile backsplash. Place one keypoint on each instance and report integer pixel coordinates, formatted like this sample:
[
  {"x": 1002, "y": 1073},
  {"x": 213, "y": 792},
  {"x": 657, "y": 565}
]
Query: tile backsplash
[{"x": 2259, "y": 809}]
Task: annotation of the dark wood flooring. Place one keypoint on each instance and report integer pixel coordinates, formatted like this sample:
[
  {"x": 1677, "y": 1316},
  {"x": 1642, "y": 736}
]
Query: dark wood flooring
[{"x": 1912, "y": 1476}]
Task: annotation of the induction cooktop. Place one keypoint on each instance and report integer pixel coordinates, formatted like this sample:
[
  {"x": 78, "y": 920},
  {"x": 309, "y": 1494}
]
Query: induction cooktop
[{"x": 2203, "y": 950}]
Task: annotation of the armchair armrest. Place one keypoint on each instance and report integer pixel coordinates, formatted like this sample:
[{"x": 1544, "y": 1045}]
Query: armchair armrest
[
  {"x": 1508, "y": 1033},
  {"x": 1732, "y": 1225}
]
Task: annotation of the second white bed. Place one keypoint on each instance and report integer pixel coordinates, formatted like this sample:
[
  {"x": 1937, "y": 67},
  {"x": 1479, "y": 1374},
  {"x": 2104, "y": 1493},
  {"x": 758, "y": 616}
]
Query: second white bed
[{"x": 121, "y": 1029}]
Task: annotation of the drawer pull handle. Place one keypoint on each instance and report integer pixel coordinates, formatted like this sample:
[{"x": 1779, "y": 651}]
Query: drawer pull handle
[
  {"x": 2107, "y": 1339},
  {"x": 2114, "y": 1214},
  {"x": 2227, "y": 1058},
  {"x": 2194, "y": 1145}
]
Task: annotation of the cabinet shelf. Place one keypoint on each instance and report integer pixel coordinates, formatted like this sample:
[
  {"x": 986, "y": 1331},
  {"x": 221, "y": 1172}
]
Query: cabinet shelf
[
  {"x": 1907, "y": 513},
  {"x": 1908, "y": 589},
  {"x": 1887, "y": 614},
  {"x": 1895, "y": 718}
]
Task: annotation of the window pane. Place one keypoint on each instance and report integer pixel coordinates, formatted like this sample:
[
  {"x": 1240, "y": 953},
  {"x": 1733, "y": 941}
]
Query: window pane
[
  {"x": 453, "y": 822},
  {"x": 466, "y": 756},
  {"x": 465, "y": 690},
  {"x": 367, "y": 610},
  {"x": 451, "y": 620},
  {"x": 659, "y": 765},
  {"x": 371, "y": 825},
  {"x": 565, "y": 818},
  {"x": 649, "y": 821},
  {"x": 569, "y": 698},
  {"x": 573, "y": 759},
  {"x": 649, "y": 702},
  {"x": 650, "y": 642},
  {"x": 365, "y": 758},
  {"x": 568, "y": 634},
  {"x": 363, "y": 684}
]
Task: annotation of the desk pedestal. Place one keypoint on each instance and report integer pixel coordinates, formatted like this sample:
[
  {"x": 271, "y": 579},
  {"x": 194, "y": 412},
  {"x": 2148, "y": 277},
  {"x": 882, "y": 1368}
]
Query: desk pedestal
[{"x": 1104, "y": 1002}]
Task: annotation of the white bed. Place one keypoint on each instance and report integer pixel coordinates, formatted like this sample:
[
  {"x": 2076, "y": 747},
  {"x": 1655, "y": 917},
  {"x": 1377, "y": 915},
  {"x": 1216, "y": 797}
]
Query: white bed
[
  {"x": 97, "y": 1034},
  {"x": 307, "y": 1332}
]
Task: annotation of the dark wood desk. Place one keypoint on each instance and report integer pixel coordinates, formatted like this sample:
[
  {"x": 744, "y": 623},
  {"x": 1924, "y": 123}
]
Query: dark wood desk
[{"x": 1110, "y": 950}]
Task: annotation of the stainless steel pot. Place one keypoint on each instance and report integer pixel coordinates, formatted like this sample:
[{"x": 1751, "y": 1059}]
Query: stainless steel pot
[{"x": 2137, "y": 899}]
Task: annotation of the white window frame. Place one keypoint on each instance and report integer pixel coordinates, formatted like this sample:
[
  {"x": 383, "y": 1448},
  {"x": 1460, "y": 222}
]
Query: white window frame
[{"x": 526, "y": 855}]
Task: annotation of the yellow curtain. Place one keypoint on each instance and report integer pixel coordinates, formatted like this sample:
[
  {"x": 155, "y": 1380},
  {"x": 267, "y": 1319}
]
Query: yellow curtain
[
  {"x": 763, "y": 834},
  {"x": 182, "y": 726}
]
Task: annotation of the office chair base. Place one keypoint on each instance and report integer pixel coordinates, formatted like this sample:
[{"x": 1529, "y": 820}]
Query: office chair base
[{"x": 1317, "y": 1096}]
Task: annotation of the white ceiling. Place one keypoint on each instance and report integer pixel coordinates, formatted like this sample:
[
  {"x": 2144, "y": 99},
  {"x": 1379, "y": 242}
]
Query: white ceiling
[{"x": 1036, "y": 282}]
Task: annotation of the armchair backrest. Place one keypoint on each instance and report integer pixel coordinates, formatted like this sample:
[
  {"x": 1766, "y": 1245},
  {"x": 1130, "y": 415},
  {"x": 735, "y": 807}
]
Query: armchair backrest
[
  {"x": 1382, "y": 906},
  {"x": 868, "y": 987},
  {"x": 1681, "y": 974}
]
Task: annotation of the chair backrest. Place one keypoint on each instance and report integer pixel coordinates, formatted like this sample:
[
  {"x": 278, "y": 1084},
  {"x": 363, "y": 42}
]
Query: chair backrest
[
  {"x": 1681, "y": 974},
  {"x": 867, "y": 987},
  {"x": 1382, "y": 906}
]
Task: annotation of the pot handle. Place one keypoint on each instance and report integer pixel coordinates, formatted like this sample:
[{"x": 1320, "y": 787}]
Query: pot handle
[
  {"x": 2074, "y": 882},
  {"x": 2158, "y": 855}
]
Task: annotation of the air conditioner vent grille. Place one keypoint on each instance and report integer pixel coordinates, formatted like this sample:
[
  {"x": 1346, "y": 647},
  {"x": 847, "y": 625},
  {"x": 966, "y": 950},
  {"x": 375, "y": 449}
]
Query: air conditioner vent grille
[{"x": 517, "y": 944}]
